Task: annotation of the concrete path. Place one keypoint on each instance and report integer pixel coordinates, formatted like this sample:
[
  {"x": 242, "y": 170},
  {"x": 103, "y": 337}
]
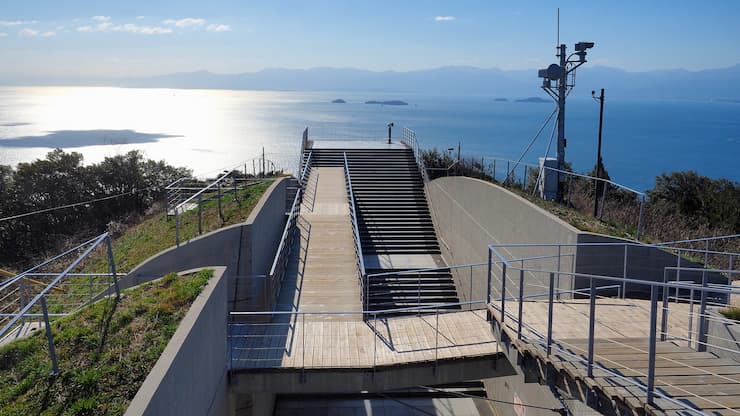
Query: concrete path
[{"x": 322, "y": 274}]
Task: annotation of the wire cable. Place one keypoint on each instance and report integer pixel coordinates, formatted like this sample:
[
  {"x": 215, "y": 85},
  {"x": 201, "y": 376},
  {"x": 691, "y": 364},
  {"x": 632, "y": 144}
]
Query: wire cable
[
  {"x": 470, "y": 396},
  {"x": 41, "y": 211}
]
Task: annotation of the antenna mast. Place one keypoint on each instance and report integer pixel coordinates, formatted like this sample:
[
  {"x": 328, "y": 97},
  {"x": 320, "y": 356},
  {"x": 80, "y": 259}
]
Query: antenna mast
[{"x": 559, "y": 74}]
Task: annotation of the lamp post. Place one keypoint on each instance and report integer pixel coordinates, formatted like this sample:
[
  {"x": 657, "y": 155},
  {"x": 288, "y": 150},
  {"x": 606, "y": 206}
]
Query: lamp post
[
  {"x": 600, "y": 99},
  {"x": 559, "y": 73}
]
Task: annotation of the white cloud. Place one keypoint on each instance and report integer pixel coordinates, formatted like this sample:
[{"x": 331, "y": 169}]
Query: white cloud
[
  {"x": 106, "y": 26},
  {"x": 47, "y": 34},
  {"x": 6, "y": 23},
  {"x": 3, "y": 34},
  {"x": 28, "y": 33},
  {"x": 444, "y": 18},
  {"x": 186, "y": 22},
  {"x": 218, "y": 28},
  {"x": 140, "y": 17}
]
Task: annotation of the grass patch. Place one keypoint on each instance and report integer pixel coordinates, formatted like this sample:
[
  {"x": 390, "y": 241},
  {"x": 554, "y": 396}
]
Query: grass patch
[
  {"x": 151, "y": 236},
  {"x": 105, "y": 352},
  {"x": 733, "y": 312}
]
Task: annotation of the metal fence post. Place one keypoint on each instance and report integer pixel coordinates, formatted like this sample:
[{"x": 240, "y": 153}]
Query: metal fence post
[
  {"x": 49, "y": 337},
  {"x": 570, "y": 187},
  {"x": 220, "y": 212},
  {"x": 471, "y": 287},
  {"x": 639, "y": 220},
  {"x": 488, "y": 290},
  {"x": 664, "y": 312},
  {"x": 624, "y": 273},
  {"x": 591, "y": 328},
  {"x": 603, "y": 201},
  {"x": 375, "y": 341},
  {"x": 112, "y": 266},
  {"x": 701, "y": 338},
  {"x": 521, "y": 304},
  {"x": 652, "y": 346},
  {"x": 304, "y": 342},
  {"x": 436, "y": 342},
  {"x": 22, "y": 297},
  {"x": 200, "y": 214},
  {"x": 503, "y": 294},
  {"x": 177, "y": 228},
  {"x": 550, "y": 307}
]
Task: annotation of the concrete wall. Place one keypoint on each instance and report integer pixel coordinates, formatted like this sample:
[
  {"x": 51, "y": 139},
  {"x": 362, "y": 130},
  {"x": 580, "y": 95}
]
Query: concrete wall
[
  {"x": 469, "y": 214},
  {"x": 243, "y": 249},
  {"x": 725, "y": 335},
  {"x": 643, "y": 263},
  {"x": 190, "y": 377}
]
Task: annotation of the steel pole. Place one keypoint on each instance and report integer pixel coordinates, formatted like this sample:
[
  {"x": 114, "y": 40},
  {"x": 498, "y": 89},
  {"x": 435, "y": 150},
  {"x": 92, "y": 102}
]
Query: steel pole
[
  {"x": 562, "y": 85},
  {"x": 49, "y": 337},
  {"x": 598, "y": 153}
]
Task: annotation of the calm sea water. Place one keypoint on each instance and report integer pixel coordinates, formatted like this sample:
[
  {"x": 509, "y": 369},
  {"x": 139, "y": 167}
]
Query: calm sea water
[{"x": 209, "y": 131}]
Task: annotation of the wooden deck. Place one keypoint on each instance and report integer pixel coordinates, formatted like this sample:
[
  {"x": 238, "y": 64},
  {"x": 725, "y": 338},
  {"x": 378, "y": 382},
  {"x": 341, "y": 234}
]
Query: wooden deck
[
  {"x": 699, "y": 379},
  {"x": 311, "y": 341},
  {"x": 322, "y": 274}
]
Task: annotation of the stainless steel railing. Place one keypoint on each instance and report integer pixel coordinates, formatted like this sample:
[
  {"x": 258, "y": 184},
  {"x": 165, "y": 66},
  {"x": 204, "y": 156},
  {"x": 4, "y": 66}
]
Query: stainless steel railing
[
  {"x": 362, "y": 276},
  {"x": 509, "y": 275}
]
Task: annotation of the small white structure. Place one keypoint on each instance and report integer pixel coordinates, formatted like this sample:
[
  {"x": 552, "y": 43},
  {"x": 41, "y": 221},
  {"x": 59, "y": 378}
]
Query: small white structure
[{"x": 549, "y": 179}]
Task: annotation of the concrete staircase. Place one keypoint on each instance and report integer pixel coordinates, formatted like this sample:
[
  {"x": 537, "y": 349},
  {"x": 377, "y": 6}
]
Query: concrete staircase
[{"x": 394, "y": 222}]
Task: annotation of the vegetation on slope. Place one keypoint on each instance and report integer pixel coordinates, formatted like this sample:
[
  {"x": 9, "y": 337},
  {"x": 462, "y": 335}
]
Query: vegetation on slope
[
  {"x": 61, "y": 179},
  {"x": 681, "y": 205},
  {"x": 105, "y": 352},
  {"x": 157, "y": 233}
]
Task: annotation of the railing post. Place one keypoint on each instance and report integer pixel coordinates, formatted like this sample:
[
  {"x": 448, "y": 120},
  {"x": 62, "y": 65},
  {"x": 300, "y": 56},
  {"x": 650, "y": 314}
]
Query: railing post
[
  {"x": 691, "y": 315},
  {"x": 471, "y": 288},
  {"x": 701, "y": 338},
  {"x": 503, "y": 294},
  {"x": 375, "y": 341},
  {"x": 603, "y": 201},
  {"x": 177, "y": 228},
  {"x": 652, "y": 346},
  {"x": 624, "y": 273},
  {"x": 591, "y": 328},
  {"x": 22, "y": 297},
  {"x": 488, "y": 289},
  {"x": 558, "y": 277},
  {"x": 112, "y": 266},
  {"x": 550, "y": 307},
  {"x": 436, "y": 341},
  {"x": 49, "y": 337},
  {"x": 664, "y": 312},
  {"x": 220, "y": 212},
  {"x": 304, "y": 342},
  {"x": 521, "y": 304},
  {"x": 200, "y": 214}
]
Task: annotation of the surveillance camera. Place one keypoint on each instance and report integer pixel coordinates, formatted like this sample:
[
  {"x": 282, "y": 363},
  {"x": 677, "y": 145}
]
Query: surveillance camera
[{"x": 582, "y": 46}]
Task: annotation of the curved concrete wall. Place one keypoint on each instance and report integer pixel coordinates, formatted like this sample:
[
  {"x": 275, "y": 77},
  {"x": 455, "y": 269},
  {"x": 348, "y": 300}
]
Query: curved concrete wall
[
  {"x": 243, "y": 249},
  {"x": 190, "y": 376},
  {"x": 469, "y": 214}
]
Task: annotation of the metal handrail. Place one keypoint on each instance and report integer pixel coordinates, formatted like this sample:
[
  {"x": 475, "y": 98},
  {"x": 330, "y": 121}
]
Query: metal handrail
[
  {"x": 696, "y": 240},
  {"x": 655, "y": 287},
  {"x": 195, "y": 195},
  {"x": 356, "y": 234},
  {"x": 370, "y": 312},
  {"x": 302, "y": 178},
  {"x": 289, "y": 224}
]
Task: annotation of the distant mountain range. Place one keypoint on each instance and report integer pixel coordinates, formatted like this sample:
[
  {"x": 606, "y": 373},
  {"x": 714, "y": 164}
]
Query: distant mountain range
[{"x": 711, "y": 84}]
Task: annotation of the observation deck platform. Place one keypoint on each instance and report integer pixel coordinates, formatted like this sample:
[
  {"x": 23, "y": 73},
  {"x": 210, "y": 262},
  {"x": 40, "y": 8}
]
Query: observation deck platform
[{"x": 684, "y": 377}]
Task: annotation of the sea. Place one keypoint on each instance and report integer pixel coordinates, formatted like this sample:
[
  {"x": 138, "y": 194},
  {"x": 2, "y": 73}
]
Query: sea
[{"x": 210, "y": 131}]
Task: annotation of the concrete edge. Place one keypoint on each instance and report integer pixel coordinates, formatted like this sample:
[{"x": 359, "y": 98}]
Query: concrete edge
[
  {"x": 158, "y": 373},
  {"x": 252, "y": 216},
  {"x": 526, "y": 202}
]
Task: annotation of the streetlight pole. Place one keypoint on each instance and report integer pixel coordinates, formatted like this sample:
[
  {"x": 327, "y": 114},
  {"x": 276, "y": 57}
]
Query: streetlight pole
[{"x": 598, "y": 150}]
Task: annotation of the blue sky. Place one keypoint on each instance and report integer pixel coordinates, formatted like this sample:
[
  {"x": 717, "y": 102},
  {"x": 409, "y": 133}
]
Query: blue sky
[{"x": 146, "y": 37}]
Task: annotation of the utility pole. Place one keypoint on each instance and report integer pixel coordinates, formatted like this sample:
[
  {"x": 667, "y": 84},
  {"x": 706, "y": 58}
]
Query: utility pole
[
  {"x": 598, "y": 151},
  {"x": 559, "y": 73}
]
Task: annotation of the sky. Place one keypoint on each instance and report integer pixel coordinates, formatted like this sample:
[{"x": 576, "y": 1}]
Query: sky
[{"x": 134, "y": 38}]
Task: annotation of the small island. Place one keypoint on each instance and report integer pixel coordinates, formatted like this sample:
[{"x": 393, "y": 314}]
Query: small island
[
  {"x": 339, "y": 101},
  {"x": 389, "y": 102},
  {"x": 501, "y": 100},
  {"x": 532, "y": 100}
]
